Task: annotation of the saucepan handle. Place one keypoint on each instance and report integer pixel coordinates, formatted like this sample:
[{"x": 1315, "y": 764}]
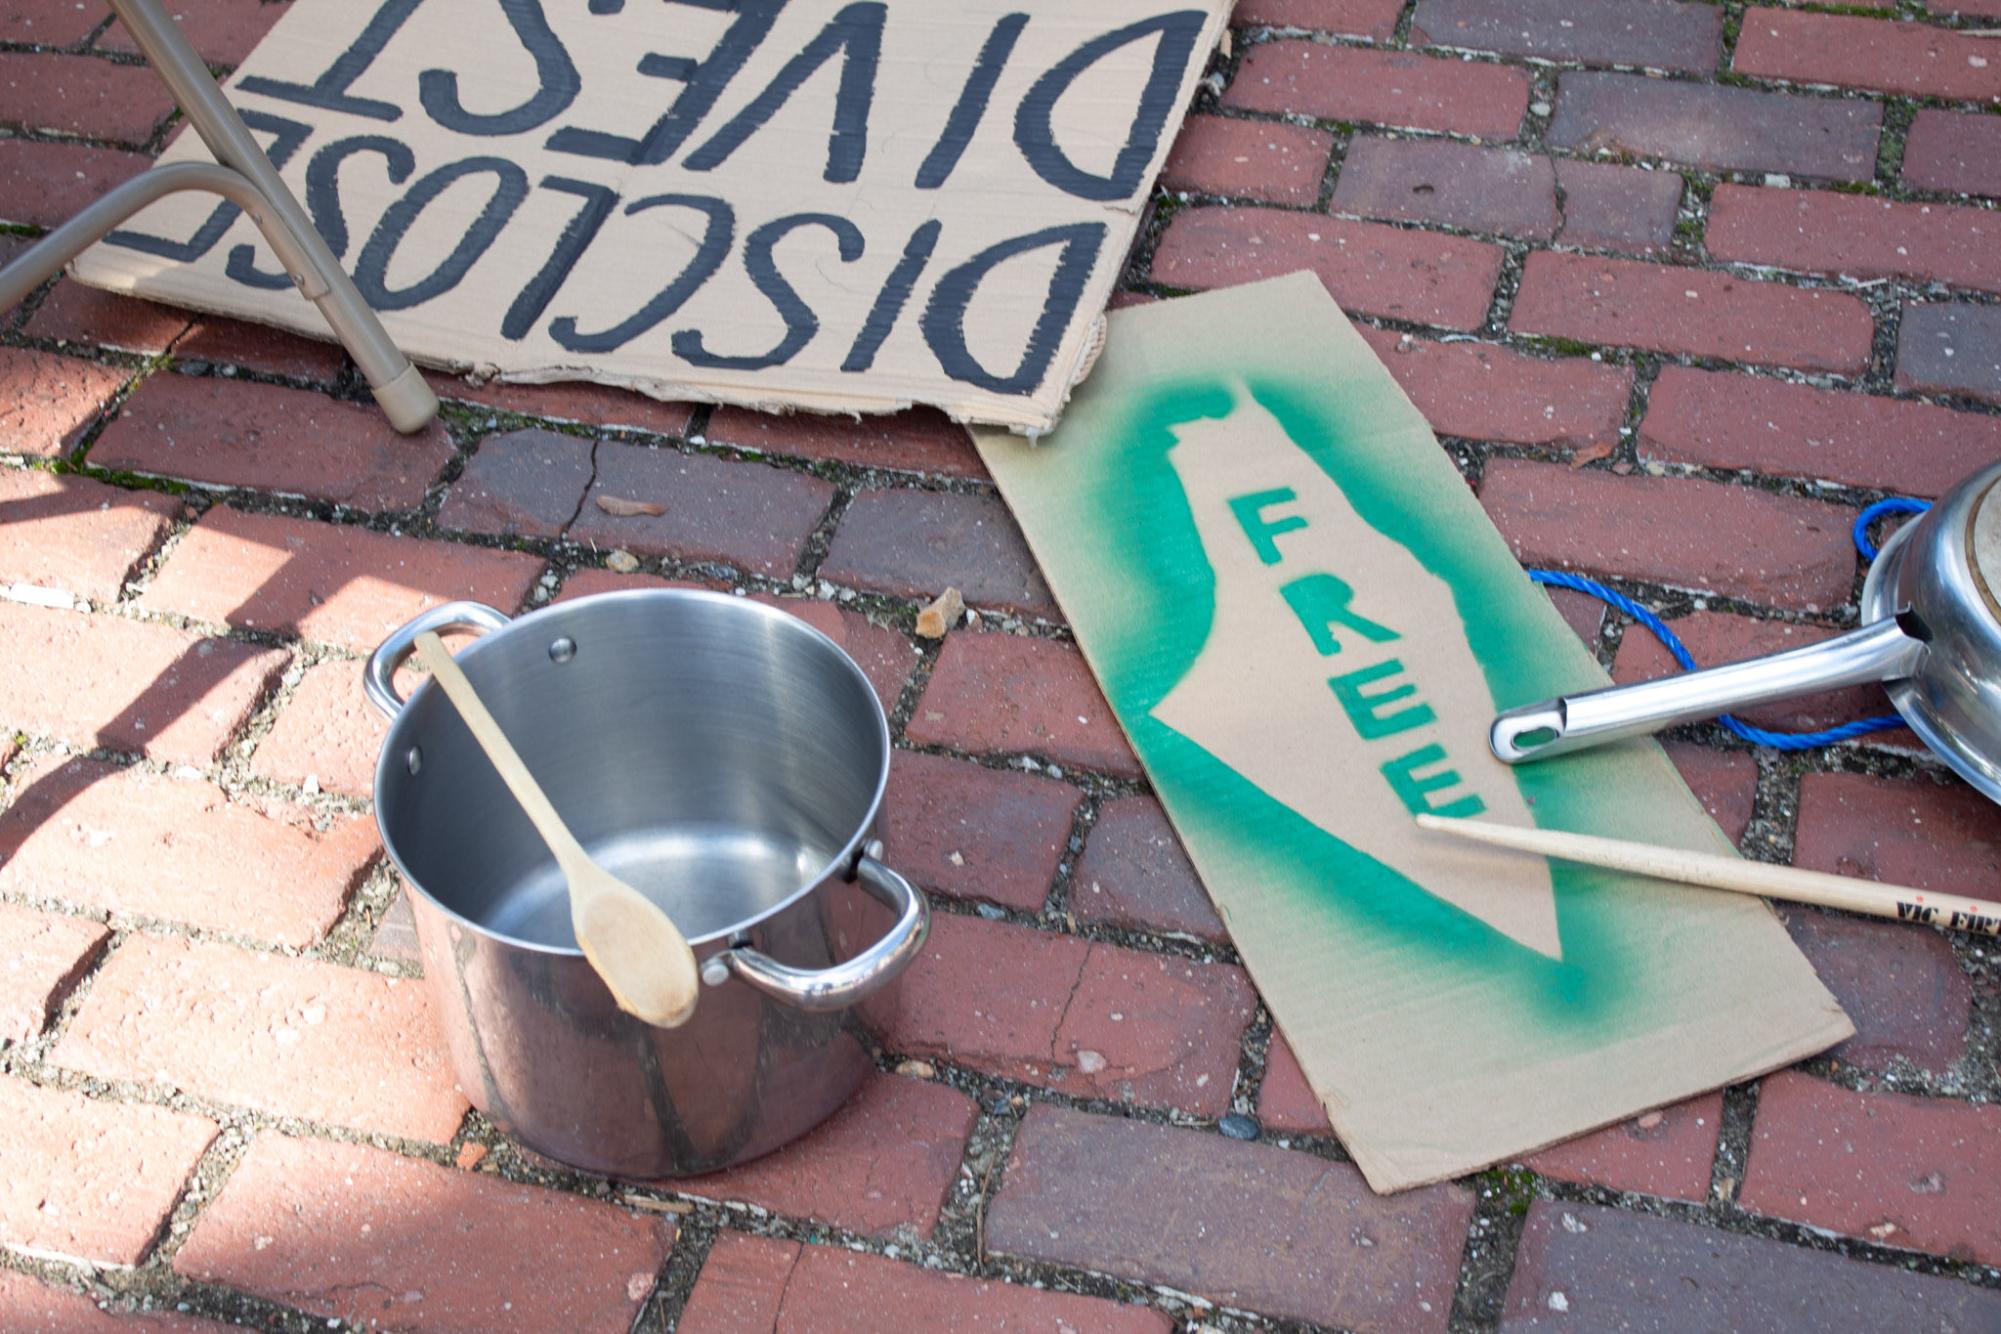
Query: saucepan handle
[
  {"x": 818, "y": 990},
  {"x": 1880, "y": 651},
  {"x": 378, "y": 679}
]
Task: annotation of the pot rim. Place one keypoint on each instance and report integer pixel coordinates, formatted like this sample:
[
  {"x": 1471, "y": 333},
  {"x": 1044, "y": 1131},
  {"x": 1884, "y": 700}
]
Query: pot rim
[{"x": 839, "y": 865}]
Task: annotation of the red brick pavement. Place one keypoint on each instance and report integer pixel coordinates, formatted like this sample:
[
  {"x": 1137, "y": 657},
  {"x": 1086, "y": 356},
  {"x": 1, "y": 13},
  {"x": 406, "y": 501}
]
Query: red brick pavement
[{"x": 1686, "y": 284}]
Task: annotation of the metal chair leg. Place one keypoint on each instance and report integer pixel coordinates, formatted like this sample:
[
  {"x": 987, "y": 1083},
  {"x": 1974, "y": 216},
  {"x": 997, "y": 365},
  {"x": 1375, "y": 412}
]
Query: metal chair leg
[{"x": 247, "y": 179}]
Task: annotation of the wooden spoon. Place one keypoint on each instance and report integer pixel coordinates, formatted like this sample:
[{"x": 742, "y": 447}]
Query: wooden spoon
[{"x": 635, "y": 947}]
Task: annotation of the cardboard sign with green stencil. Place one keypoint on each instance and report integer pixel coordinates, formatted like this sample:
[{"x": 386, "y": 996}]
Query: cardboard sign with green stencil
[{"x": 1305, "y": 623}]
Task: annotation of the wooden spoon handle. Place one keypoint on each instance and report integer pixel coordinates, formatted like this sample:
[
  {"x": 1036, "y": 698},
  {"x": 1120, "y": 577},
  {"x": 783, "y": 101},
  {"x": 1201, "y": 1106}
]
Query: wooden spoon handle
[{"x": 437, "y": 659}]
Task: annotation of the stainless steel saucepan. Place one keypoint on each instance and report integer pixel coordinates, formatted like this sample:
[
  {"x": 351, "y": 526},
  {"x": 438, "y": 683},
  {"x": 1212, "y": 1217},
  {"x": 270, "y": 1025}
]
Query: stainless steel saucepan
[
  {"x": 726, "y": 760},
  {"x": 1931, "y": 633}
]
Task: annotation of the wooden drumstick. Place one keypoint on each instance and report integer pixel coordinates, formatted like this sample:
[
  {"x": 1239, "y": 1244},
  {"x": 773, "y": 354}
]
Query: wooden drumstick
[{"x": 1737, "y": 876}]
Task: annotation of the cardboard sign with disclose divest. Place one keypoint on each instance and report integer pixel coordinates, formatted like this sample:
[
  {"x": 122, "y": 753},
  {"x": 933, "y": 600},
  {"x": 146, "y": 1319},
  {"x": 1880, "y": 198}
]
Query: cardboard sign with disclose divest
[{"x": 790, "y": 204}]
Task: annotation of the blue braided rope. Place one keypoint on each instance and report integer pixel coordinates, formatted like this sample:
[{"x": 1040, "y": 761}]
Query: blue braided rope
[
  {"x": 1894, "y": 505},
  {"x": 1757, "y": 736}
]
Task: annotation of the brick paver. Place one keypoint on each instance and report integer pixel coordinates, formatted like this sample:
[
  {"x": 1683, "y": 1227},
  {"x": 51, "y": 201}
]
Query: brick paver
[
  {"x": 87, "y": 317},
  {"x": 1912, "y": 832},
  {"x": 1501, "y": 190},
  {"x": 1666, "y": 1152},
  {"x": 1724, "y": 129},
  {"x": 327, "y": 732},
  {"x": 974, "y": 832},
  {"x": 49, "y": 22},
  {"x": 1352, "y": 18},
  {"x": 1696, "y": 313},
  {"x": 1855, "y": 52},
  {"x": 1134, "y": 873},
  {"x": 1483, "y": 391},
  {"x": 47, "y": 401},
  {"x": 1009, "y": 694},
  {"x": 1907, "y": 994},
  {"x": 137, "y": 844},
  {"x": 1792, "y": 552},
  {"x": 90, "y": 1179},
  {"x": 263, "y": 1031},
  {"x": 76, "y": 535},
  {"x": 82, "y": 95},
  {"x": 1384, "y": 88},
  {"x": 1088, "y": 1019},
  {"x": 1954, "y": 151},
  {"x": 1659, "y": 34},
  {"x": 1613, "y": 207},
  {"x": 571, "y": 401},
  {"x": 1724, "y": 781},
  {"x": 1913, "y": 1173},
  {"x": 881, "y": 1165},
  {"x": 1286, "y": 1102},
  {"x": 1581, "y": 1265},
  {"x": 1217, "y": 155},
  {"x": 526, "y": 483},
  {"x": 28, "y": 1305},
  {"x": 222, "y": 31},
  {"x": 1422, "y": 277},
  {"x": 921, "y": 440},
  {"x": 44, "y": 954},
  {"x": 1821, "y": 231},
  {"x": 101, "y": 680},
  {"x": 336, "y": 584},
  {"x": 746, "y": 514},
  {"x": 1768, "y": 425},
  {"x": 915, "y": 544},
  {"x": 1251, "y": 1225},
  {"x": 370, "y": 1237},
  {"x": 789, "y": 1288},
  {"x": 1951, "y": 349},
  {"x": 220, "y": 433},
  {"x": 42, "y": 183},
  {"x": 218, "y": 341}
]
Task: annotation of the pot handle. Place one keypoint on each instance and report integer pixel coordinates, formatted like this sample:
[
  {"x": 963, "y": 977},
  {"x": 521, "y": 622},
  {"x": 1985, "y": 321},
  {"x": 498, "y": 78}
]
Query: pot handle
[
  {"x": 1879, "y": 651},
  {"x": 378, "y": 679},
  {"x": 820, "y": 990}
]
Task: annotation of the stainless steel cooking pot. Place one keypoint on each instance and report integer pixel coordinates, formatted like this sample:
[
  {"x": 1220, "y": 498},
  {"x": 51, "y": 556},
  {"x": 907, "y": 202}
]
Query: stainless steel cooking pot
[
  {"x": 1931, "y": 632},
  {"x": 725, "y": 759}
]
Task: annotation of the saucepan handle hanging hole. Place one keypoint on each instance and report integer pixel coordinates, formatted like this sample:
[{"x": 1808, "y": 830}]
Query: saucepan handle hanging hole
[
  {"x": 819, "y": 990},
  {"x": 378, "y": 679},
  {"x": 1914, "y": 625}
]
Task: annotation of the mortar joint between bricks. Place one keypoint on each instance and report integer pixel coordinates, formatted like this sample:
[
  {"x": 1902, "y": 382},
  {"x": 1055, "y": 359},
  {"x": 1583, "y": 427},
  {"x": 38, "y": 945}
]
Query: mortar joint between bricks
[
  {"x": 1101, "y": 786},
  {"x": 78, "y": 454},
  {"x": 961, "y": 1226},
  {"x": 1139, "y": 940},
  {"x": 813, "y": 554},
  {"x": 1253, "y": 1053},
  {"x": 694, "y": 1237},
  {"x": 1083, "y": 819},
  {"x": 1898, "y": 1074},
  {"x": 1507, "y": 286},
  {"x": 235, "y": 372},
  {"x": 37, "y": 135},
  {"x": 1493, "y": 1235}
]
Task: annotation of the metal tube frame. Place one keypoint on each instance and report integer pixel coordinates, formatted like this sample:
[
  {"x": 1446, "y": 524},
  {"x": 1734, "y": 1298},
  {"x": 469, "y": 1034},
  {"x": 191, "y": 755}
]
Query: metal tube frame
[{"x": 246, "y": 178}]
